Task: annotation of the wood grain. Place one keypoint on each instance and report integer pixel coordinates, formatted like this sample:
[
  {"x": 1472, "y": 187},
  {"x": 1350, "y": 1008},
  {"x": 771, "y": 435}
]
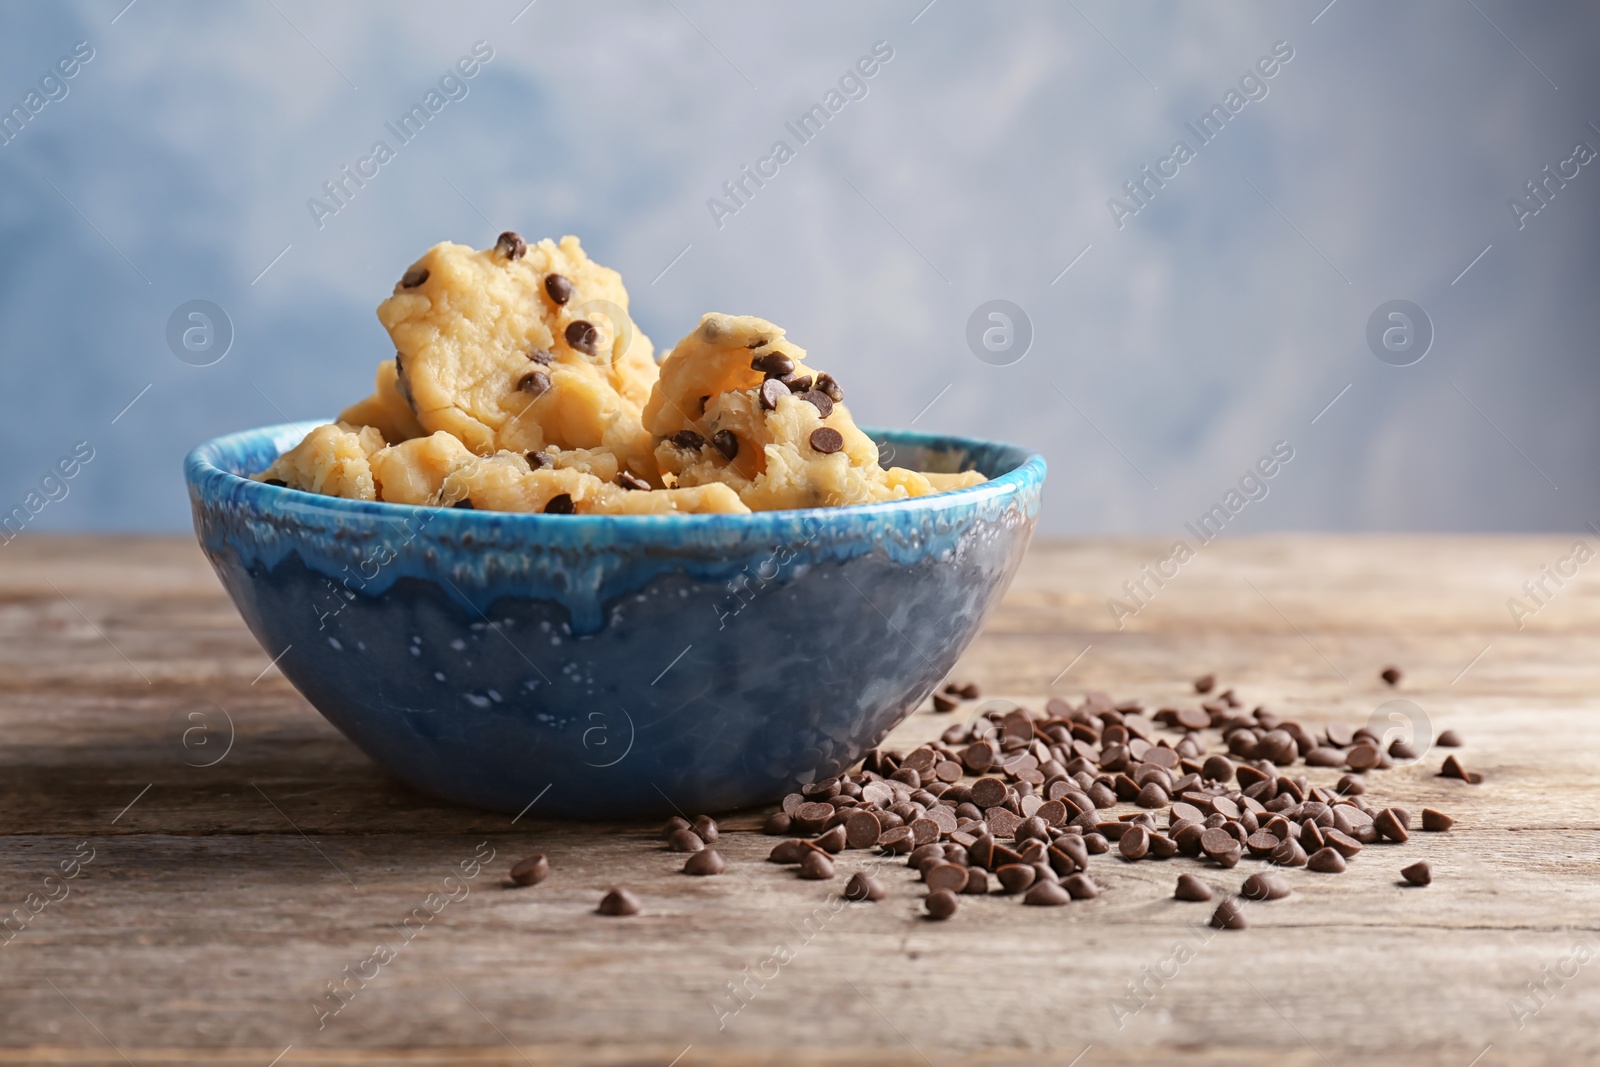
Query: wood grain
[{"x": 222, "y": 900}]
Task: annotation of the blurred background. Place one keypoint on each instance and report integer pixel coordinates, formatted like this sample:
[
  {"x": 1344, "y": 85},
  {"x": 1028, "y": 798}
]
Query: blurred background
[{"x": 1155, "y": 341}]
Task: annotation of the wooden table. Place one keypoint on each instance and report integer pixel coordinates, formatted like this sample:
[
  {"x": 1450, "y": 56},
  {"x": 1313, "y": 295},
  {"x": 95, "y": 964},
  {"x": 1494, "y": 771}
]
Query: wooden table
[{"x": 221, "y": 901}]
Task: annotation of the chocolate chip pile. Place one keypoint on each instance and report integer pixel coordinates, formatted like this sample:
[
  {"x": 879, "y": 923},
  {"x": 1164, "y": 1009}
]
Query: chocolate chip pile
[{"x": 1017, "y": 802}]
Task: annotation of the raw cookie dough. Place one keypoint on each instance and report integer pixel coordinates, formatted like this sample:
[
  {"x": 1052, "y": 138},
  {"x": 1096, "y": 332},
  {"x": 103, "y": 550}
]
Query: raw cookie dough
[
  {"x": 736, "y": 404},
  {"x": 334, "y": 460},
  {"x": 521, "y": 346},
  {"x": 520, "y": 383}
]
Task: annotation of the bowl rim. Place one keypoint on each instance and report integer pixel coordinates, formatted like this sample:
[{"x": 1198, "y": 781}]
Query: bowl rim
[{"x": 207, "y": 480}]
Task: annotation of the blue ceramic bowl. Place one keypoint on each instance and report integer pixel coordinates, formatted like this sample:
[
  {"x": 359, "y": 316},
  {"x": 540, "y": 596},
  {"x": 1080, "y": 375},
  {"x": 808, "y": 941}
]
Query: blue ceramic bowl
[{"x": 614, "y": 666}]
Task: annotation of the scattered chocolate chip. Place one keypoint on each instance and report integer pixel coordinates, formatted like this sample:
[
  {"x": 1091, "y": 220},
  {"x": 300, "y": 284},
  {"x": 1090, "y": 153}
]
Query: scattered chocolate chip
[
  {"x": 725, "y": 442},
  {"x": 1047, "y": 895},
  {"x": 511, "y": 245},
  {"x": 1392, "y": 675},
  {"x": 819, "y": 401},
  {"x": 791, "y": 851},
  {"x": 1015, "y": 877},
  {"x": 1205, "y": 683},
  {"x": 705, "y": 862},
  {"x": 673, "y": 825},
  {"x": 1436, "y": 822},
  {"x": 559, "y": 286},
  {"x": 862, "y": 886},
  {"x": 531, "y": 871},
  {"x": 945, "y": 875},
  {"x": 414, "y": 277},
  {"x": 1388, "y": 825},
  {"x": 1419, "y": 873},
  {"x": 815, "y": 866},
  {"x": 1080, "y": 887},
  {"x": 1449, "y": 739},
  {"x": 630, "y": 480},
  {"x": 688, "y": 439},
  {"x": 777, "y": 823},
  {"x": 705, "y": 827},
  {"x": 619, "y": 902},
  {"x": 826, "y": 384},
  {"x": 796, "y": 383},
  {"x": 1134, "y": 843},
  {"x": 773, "y": 364},
  {"x": 834, "y": 840},
  {"x": 583, "y": 336},
  {"x": 560, "y": 504},
  {"x": 535, "y": 383},
  {"x": 1326, "y": 861},
  {"x": 1265, "y": 885},
  {"x": 685, "y": 840},
  {"x": 827, "y": 440},
  {"x": 1452, "y": 768},
  {"x": 1191, "y": 888},
  {"x": 943, "y": 703},
  {"x": 1229, "y": 916},
  {"x": 771, "y": 391},
  {"x": 941, "y": 904},
  {"x": 862, "y": 829}
]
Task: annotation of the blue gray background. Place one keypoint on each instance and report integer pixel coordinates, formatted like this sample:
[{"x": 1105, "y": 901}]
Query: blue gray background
[{"x": 1175, "y": 351}]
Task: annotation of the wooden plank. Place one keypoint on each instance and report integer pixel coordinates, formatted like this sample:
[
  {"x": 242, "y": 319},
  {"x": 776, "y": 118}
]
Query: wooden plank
[{"x": 221, "y": 900}]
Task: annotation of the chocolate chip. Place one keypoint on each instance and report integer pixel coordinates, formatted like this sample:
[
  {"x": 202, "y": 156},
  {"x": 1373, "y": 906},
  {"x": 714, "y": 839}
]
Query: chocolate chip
[
  {"x": 773, "y": 364},
  {"x": 1419, "y": 873},
  {"x": 1326, "y": 861},
  {"x": 1218, "y": 769},
  {"x": 1135, "y": 842},
  {"x": 1436, "y": 822},
  {"x": 1289, "y": 854},
  {"x": 770, "y": 393},
  {"x": 1346, "y": 845},
  {"x": 559, "y": 286},
  {"x": 673, "y": 825},
  {"x": 1392, "y": 675},
  {"x": 977, "y": 881},
  {"x": 940, "y": 904},
  {"x": 1449, "y": 739},
  {"x": 705, "y": 862},
  {"x": 1205, "y": 683},
  {"x": 826, "y": 384},
  {"x": 791, "y": 851},
  {"x": 1080, "y": 887},
  {"x": 535, "y": 383},
  {"x": 541, "y": 357},
  {"x": 685, "y": 840},
  {"x": 1229, "y": 915},
  {"x": 706, "y": 828},
  {"x": 560, "y": 504},
  {"x": 1015, "y": 877},
  {"x": 619, "y": 902},
  {"x": 815, "y": 866},
  {"x": 797, "y": 383},
  {"x": 862, "y": 886},
  {"x": 725, "y": 442},
  {"x": 862, "y": 829},
  {"x": 1191, "y": 888},
  {"x": 1388, "y": 825},
  {"x": 944, "y": 703},
  {"x": 833, "y": 840},
  {"x": 531, "y": 871},
  {"x": 827, "y": 440},
  {"x": 1452, "y": 768},
  {"x": 944, "y": 875},
  {"x": 511, "y": 245},
  {"x": 688, "y": 439},
  {"x": 1350, "y": 786},
  {"x": 583, "y": 336},
  {"x": 1265, "y": 885},
  {"x": 1047, "y": 895},
  {"x": 819, "y": 401},
  {"x": 540, "y": 460},
  {"x": 630, "y": 480},
  {"x": 777, "y": 823},
  {"x": 1362, "y": 757},
  {"x": 1400, "y": 748},
  {"x": 414, "y": 277}
]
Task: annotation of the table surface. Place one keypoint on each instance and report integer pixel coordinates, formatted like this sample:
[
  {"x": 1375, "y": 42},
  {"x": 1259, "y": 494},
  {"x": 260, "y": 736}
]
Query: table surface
[{"x": 212, "y": 906}]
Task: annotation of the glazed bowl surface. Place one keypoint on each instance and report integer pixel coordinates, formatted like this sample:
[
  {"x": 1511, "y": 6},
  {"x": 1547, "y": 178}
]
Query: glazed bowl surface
[{"x": 614, "y": 666}]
